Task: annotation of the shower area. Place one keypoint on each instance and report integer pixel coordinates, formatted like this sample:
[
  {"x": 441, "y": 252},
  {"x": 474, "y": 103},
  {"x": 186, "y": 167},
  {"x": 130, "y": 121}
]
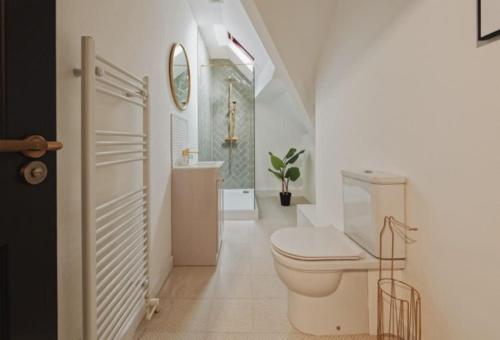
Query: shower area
[{"x": 226, "y": 124}]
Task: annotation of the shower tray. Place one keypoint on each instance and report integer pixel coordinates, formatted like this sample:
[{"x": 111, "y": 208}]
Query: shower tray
[{"x": 239, "y": 204}]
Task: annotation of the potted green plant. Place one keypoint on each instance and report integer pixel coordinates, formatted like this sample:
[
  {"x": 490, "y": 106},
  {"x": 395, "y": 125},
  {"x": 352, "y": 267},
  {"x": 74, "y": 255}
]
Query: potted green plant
[{"x": 284, "y": 173}]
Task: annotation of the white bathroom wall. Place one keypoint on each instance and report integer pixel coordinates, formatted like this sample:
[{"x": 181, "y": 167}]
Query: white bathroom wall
[
  {"x": 277, "y": 129},
  {"x": 404, "y": 87},
  {"x": 192, "y": 112},
  {"x": 308, "y": 168},
  {"x": 136, "y": 35}
]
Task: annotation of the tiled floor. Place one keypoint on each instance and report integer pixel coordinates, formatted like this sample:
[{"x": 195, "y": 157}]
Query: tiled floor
[{"x": 240, "y": 299}]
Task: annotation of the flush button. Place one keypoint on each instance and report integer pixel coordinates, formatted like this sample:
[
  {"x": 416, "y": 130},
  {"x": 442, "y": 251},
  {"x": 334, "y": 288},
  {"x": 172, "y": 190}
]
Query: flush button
[
  {"x": 368, "y": 172},
  {"x": 34, "y": 172}
]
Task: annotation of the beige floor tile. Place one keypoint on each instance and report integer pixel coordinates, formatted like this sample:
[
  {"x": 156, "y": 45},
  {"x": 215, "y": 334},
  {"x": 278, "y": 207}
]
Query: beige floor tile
[
  {"x": 235, "y": 250},
  {"x": 138, "y": 333},
  {"x": 172, "y": 336},
  {"x": 237, "y": 231},
  {"x": 268, "y": 286},
  {"x": 230, "y": 336},
  {"x": 231, "y": 315},
  {"x": 188, "y": 315},
  {"x": 159, "y": 320},
  {"x": 270, "y": 315},
  {"x": 277, "y": 336},
  {"x": 261, "y": 229},
  {"x": 340, "y": 337},
  {"x": 190, "y": 282},
  {"x": 261, "y": 249},
  {"x": 263, "y": 266},
  {"x": 235, "y": 265},
  {"x": 231, "y": 286},
  {"x": 282, "y": 336}
]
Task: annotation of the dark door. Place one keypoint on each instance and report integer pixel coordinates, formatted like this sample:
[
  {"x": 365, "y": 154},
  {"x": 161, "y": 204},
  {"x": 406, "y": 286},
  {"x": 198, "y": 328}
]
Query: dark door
[{"x": 28, "y": 254}]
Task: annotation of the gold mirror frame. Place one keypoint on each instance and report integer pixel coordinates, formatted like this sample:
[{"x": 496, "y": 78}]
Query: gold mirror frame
[{"x": 180, "y": 106}]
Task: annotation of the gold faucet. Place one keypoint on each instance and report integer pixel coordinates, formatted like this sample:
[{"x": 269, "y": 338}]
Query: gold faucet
[{"x": 187, "y": 151}]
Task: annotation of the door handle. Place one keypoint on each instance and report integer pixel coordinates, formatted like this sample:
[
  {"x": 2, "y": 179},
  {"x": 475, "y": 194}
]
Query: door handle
[{"x": 33, "y": 146}]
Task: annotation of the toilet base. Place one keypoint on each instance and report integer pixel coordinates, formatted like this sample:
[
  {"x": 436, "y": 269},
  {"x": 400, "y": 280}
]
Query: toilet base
[{"x": 344, "y": 312}]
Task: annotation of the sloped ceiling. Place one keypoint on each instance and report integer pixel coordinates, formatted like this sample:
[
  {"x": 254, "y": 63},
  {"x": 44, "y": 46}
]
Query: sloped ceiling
[
  {"x": 231, "y": 15},
  {"x": 297, "y": 30}
]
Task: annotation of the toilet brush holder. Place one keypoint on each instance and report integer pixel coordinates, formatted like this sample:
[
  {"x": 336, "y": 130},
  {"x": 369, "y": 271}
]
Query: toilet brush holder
[{"x": 399, "y": 304}]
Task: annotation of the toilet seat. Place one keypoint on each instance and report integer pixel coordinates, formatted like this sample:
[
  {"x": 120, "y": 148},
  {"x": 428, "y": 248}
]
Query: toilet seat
[{"x": 315, "y": 244}]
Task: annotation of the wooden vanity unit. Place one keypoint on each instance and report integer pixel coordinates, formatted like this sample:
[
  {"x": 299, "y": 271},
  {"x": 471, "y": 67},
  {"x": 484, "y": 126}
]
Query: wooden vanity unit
[{"x": 197, "y": 214}]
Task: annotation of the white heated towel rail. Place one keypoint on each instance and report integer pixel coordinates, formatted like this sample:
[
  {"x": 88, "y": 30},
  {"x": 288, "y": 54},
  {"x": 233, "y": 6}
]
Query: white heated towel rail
[{"x": 116, "y": 230}]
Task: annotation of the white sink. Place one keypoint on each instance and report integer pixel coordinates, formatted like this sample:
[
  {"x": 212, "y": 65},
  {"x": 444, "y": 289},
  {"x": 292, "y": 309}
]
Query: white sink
[{"x": 201, "y": 165}]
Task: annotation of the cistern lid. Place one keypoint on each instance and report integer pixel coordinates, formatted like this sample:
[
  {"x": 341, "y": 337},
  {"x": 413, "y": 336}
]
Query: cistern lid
[
  {"x": 374, "y": 177},
  {"x": 315, "y": 244}
]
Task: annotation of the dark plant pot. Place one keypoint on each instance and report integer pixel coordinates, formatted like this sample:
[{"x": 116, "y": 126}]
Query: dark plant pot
[{"x": 285, "y": 198}]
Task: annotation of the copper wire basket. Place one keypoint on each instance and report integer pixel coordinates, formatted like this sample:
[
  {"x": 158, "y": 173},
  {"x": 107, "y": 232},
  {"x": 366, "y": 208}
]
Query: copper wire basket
[{"x": 399, "y": 304}]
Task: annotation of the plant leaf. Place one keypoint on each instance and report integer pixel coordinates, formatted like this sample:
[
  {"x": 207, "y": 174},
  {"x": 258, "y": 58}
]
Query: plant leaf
[
  {"x": 276, "y": 162},
  {"x": 295, "y": 157},
  {"x": 293, "y": 173},
  {"x": 276, "y": 173},
  {"x": 290, "y": 153}
]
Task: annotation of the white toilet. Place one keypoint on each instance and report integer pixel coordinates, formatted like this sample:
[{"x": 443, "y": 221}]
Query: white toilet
[{"x": 325, "y": 270}]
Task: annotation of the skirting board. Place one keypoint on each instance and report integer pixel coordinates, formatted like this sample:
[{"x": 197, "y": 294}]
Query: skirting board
[{"x": 242, "y": 215}]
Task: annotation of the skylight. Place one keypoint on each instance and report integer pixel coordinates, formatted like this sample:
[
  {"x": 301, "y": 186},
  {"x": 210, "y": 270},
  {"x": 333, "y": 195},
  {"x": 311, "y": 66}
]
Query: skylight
[{"x": 241, "y": 52}]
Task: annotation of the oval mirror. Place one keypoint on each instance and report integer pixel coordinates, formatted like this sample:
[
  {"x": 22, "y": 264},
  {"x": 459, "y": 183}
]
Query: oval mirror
[{"x": 180, "y": 76}]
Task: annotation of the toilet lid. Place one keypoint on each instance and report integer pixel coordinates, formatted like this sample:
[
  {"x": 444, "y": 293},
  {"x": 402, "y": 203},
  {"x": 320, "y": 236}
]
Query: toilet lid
[{"x": 315, "y": 244}]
